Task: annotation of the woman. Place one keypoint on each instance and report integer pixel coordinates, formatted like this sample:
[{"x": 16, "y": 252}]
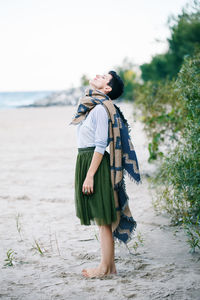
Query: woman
[{"x": 99, "y": 176}]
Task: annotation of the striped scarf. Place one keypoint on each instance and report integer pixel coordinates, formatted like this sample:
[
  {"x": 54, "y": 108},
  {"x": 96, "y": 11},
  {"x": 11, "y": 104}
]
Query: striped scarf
[{"x": 123, "y": 158}]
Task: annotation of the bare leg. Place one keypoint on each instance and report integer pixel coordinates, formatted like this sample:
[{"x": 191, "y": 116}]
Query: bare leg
[{"x": 107, "y": 264}]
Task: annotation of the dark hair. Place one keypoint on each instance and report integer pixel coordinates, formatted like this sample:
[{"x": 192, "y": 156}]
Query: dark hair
[{"x": 116, "y": 84}]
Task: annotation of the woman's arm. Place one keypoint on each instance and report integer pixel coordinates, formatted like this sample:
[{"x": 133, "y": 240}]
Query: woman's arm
[
  {"x": 89, "y": 180},
  {"x": 100, "y": 123}
]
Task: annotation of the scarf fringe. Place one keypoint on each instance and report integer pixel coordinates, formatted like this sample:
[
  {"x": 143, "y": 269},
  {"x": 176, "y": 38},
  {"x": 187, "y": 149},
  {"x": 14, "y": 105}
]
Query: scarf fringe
[
  {"x": 133, "y": 179},
  {"x": 131, "y": 234},
  {"x": 129, "y": 132},
  {"x": 124, "y": 119},
  {"x": 122, "y": 182},
  {"x": 121, "y": 114}
]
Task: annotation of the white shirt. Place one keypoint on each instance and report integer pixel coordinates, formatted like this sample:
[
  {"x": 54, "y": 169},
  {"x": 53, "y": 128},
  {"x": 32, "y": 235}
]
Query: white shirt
[{"x": 93, "y": 130}]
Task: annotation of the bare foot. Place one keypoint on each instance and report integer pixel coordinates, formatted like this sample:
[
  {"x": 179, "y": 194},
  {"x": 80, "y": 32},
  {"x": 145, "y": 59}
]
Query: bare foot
[
  {"x": 99, "y": 272},
  {"x": 113, "y": 269}
]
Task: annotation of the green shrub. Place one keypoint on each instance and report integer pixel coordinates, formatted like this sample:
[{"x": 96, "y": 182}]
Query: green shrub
[
  {"x": 180, "y": 170},
  {"x": 171, "y": 114},
  {"x": 162, "y": 113}
]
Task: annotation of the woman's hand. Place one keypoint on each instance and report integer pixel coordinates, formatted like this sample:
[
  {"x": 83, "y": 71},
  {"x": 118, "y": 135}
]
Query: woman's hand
[
  {"x": 88, "y": 184},
  {"x": 89, "y": 180}
]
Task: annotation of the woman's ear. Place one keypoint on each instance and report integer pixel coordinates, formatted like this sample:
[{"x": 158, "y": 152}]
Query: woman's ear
[{"x": 107, "y": 88}]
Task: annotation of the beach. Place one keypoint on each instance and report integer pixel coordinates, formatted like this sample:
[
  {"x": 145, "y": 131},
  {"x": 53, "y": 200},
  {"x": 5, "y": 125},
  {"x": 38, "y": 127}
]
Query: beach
[{"x": 50, "y": 248}]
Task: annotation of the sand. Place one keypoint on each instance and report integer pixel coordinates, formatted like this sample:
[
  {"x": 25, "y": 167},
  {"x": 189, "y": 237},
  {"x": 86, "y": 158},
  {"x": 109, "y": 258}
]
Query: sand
[{"x": 37, "y": 154}]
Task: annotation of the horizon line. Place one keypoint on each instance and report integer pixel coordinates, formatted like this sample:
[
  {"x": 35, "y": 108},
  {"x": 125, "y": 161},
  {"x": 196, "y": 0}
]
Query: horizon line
[{"x": 44, "y": 90}]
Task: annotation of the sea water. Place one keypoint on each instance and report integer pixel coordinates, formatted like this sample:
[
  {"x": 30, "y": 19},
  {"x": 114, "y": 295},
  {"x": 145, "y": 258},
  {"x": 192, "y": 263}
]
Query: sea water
[{"x": 16, "y": 99}]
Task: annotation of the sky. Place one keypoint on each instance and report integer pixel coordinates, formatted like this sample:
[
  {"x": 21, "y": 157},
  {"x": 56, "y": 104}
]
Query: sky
[{"x": 50, "y": 44}]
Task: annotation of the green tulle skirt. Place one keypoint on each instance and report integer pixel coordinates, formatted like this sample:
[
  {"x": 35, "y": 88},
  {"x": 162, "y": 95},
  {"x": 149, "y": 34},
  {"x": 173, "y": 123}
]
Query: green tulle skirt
[{"x": 99, "y": 206}]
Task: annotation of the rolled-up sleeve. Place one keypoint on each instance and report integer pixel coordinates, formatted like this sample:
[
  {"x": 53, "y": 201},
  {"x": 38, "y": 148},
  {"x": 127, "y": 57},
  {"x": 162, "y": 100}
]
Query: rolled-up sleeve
[{"x": 101, "y": 129}]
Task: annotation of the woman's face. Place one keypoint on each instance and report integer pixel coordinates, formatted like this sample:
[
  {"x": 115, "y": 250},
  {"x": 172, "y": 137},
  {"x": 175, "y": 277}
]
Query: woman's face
[{"x": 100, "y": 82}]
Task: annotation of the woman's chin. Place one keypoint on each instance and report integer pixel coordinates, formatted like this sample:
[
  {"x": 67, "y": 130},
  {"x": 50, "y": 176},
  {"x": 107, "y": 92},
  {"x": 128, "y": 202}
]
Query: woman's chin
[{"x": 92, "y": 85}]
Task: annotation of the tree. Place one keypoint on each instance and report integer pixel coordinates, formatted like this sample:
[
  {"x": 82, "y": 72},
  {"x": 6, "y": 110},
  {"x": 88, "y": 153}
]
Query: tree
[
  {"x": 84, "y": 80},
  {"x": 125, "y": 71},
  {"x": 184, "y": 40}
]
